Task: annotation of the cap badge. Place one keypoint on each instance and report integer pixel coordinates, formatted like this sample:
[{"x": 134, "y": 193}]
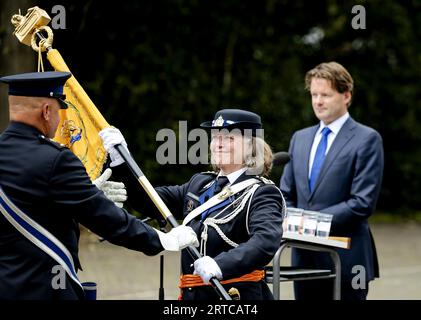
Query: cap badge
[{"x": 218, "y": 122}]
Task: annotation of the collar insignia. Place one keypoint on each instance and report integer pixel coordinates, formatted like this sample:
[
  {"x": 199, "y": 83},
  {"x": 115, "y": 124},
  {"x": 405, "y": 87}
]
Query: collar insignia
[{"x": 225, "y": 193}]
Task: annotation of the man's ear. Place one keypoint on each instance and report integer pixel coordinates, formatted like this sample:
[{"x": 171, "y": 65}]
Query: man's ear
[
  {"x": 348, "y": 97},
  {"x": 46, "y": 111}
]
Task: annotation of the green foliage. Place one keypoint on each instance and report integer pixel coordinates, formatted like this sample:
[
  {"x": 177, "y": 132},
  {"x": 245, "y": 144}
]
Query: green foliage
[{"x": 149, "y": 64}]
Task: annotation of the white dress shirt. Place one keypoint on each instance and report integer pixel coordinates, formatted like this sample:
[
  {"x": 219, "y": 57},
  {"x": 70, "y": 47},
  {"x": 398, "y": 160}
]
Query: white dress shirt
[
  {"x": 233, "y": 175},
  {"x": 334, "y": 127}
]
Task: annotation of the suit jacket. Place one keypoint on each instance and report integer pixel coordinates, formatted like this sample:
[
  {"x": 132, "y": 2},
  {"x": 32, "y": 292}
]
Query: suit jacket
[
  {"x": 258, "y": 231},
  {"x": 347, "y": 187},
  {"x": 49, "y": 183}
]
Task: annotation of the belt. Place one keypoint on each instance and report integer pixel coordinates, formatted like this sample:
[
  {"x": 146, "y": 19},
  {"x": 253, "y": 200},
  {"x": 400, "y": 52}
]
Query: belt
[{"x": 192, "y": 280}]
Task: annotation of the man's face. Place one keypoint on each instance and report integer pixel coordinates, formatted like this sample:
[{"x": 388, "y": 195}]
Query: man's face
[{"x": 328, "y": 104}]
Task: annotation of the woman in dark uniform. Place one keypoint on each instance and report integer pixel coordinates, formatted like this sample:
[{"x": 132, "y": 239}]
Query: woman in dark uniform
[{"x": 235, "y": 211}]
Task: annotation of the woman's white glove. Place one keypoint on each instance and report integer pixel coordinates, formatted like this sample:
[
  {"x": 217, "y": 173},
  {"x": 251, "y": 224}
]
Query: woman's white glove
[
  {"x": 115, "y": 191},
  {"x": 207, "y": 268},
  {"x": 178, "y": 238},
  {"x": 110, "y": 137}
]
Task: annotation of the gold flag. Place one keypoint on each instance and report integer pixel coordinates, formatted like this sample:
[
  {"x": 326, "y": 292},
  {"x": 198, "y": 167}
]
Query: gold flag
[{"x": 81, "y": 121}]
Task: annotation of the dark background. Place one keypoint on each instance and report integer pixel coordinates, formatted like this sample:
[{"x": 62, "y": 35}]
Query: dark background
[{"x": 149, "y": 64}]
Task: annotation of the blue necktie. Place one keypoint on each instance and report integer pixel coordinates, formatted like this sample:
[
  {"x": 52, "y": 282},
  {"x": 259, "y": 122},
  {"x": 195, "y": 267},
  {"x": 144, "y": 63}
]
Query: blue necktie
[
  {"x": 219, "y": 184},
  {"x": 319, "y": 158}
]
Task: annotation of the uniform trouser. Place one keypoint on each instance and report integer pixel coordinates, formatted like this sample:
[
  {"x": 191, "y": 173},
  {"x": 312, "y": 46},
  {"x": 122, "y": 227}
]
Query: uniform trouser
[{"x": 323, "y": 290}]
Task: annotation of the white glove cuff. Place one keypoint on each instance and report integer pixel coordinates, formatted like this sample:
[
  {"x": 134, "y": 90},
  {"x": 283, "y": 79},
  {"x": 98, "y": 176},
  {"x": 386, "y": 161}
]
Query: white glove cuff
[{"x": 168, "y": 242}]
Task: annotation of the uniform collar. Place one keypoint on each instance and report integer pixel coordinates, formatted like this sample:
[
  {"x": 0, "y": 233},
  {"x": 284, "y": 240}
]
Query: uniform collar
[
  {"x": 22, "y": 128},
  {"x": 233, "y": 176}
]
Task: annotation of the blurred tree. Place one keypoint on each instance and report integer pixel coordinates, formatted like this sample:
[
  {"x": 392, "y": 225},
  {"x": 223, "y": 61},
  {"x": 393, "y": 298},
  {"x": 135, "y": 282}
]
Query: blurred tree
[
  {"x": 148, "y": 65},
  {"x": 14, "y": 58}
]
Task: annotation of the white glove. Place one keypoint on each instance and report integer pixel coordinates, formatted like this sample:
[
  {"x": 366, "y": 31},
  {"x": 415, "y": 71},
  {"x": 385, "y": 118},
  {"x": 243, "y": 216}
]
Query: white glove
[
  {"x": 110, "y": 137},
  {"x": 207, "y": 268},
  {"x": 178, "y": 238},
  {"x": 115, "y": 191}
]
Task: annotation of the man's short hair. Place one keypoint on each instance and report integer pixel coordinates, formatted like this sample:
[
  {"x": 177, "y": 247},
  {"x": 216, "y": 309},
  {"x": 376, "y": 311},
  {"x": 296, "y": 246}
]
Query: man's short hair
[{"x": 338, "y": 76}]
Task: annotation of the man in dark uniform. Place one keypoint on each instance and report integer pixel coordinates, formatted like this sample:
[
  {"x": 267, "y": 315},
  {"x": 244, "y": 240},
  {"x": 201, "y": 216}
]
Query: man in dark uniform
[
  {"x": 242, "y": 230},
  {"x": 46, "y": 192}
]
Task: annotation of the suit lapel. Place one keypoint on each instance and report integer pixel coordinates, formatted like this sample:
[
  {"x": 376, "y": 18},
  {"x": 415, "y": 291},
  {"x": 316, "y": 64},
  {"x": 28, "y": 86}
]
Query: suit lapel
[{"x": 344, "y": 135}]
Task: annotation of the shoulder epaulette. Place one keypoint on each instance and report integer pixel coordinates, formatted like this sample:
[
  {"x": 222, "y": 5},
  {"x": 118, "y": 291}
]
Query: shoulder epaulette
[
  {"x": 51, "y": 142},
  {"x": 265, "y": 180}
]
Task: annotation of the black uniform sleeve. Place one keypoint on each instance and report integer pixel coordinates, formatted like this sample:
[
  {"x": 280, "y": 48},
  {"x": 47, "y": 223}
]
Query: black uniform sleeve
[{"x": 74, "y": 195}]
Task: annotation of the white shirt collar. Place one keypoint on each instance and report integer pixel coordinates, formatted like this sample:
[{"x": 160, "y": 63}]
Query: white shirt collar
[
  {"x": 334, "y": 126},
  {"x": 233, "y": 176}
]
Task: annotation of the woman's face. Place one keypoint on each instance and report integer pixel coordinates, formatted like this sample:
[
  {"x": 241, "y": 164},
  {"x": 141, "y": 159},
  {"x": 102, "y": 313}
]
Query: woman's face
[{"x": 227, "y": 150}]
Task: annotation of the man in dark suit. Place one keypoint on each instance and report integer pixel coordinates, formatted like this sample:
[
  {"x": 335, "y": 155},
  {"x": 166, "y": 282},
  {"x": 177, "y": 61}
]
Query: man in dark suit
[
  {"x": 336, "y": 167},
  {"x": 45, "y": 193}
]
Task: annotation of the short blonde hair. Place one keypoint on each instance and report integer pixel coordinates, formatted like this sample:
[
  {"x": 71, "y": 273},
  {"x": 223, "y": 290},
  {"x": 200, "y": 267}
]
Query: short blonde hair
[{"x": 334, "y": 72}]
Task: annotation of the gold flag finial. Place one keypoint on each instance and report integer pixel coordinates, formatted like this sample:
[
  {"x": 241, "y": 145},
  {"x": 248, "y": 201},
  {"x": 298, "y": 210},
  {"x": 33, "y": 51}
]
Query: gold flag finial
[{"x": 25, "y": 26}]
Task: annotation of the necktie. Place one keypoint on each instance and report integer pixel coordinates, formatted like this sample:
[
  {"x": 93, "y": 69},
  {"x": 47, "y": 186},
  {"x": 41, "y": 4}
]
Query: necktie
[
  {"x": 319, "y": 158},
  {"x": 220, "y": 183}
]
